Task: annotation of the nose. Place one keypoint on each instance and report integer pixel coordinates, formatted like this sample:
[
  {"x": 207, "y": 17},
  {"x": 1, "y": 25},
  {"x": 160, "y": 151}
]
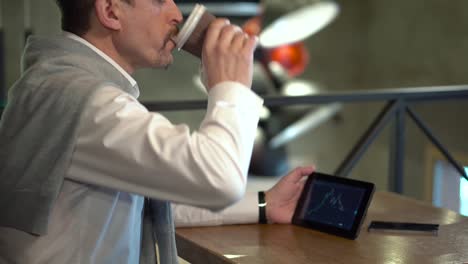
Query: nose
[{"x": 177, "y": 17}]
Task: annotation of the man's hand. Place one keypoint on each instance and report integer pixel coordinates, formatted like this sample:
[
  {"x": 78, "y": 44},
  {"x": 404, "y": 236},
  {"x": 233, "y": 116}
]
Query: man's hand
[
  {"x": 227, "y": 54},
  {"x": 282, "y": 198}
]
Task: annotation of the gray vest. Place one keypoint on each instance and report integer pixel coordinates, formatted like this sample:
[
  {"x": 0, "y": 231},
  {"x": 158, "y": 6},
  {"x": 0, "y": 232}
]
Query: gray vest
[{"x": 38, "y": 130}]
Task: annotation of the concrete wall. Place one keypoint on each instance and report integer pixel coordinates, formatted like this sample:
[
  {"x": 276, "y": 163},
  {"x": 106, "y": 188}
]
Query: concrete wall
[
  {"x": 378, "y": 44},
  {"x": 373, "y": 44}
]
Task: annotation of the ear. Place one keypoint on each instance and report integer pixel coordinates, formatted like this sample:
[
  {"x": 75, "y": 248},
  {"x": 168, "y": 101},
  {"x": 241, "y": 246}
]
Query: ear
[{"x": 108, "y": 13}]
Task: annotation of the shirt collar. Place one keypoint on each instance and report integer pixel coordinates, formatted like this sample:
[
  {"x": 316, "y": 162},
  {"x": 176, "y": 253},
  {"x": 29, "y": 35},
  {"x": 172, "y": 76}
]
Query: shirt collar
[{"x": 102, "y": 54}]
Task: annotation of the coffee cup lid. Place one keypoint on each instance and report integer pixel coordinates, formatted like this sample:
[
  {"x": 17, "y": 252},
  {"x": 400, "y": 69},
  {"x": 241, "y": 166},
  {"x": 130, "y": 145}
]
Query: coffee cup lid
[{"x": 190, "y": 25}]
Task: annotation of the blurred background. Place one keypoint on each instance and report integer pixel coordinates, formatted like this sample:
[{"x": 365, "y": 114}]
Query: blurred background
[{"x": 365, "y": 45}]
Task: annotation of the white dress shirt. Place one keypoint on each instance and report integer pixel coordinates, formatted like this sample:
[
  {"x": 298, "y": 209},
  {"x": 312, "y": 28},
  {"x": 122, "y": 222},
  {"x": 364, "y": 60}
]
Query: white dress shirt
[{"x": 124, "y": 152}]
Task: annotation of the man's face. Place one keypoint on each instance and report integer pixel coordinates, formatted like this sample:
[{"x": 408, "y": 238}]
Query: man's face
[{"x": 146, "y": 30}]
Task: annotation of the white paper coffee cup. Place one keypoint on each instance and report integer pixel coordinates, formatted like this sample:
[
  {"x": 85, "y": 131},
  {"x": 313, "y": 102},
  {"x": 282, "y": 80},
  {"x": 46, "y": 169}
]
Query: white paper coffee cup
[{"x": 192, "y": 35}]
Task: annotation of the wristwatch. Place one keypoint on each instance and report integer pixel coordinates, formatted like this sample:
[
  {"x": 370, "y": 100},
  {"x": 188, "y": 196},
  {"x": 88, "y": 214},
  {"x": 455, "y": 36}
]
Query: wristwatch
[{"x": 262, "y": 208}]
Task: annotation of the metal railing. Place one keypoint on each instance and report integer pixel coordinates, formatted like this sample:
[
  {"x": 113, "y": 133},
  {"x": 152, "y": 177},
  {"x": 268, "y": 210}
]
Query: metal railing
[{"x": 398, "y": 104}]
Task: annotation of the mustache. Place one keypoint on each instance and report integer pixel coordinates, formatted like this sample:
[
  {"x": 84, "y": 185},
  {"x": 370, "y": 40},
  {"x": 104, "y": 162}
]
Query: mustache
[{"x": 171, "y": 36}]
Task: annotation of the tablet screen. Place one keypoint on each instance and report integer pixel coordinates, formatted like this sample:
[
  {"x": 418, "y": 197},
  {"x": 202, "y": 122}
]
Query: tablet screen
[{"x": 333, "y": 205}]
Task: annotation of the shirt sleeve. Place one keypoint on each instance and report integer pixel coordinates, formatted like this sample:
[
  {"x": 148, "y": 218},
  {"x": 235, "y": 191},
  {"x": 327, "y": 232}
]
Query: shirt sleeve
[
  {"x": 243, "y": 212},
  {"x": 123, "y": 146}
]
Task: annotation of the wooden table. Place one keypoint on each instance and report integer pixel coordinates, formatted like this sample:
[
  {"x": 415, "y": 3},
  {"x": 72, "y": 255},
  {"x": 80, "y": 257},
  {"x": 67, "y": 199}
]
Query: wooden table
[{"x": 293, "y": 244}]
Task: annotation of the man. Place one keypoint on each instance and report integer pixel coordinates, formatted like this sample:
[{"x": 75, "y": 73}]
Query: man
[{"x": 78, "y": 152}]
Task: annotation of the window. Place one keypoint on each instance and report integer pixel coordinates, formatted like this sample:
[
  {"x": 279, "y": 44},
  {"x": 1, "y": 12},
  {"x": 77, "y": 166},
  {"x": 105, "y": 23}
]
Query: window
[
  {"x": 444, "y": 184},
  {"x": 450, "y": 190},
  {"x": 464, "y": 195}
]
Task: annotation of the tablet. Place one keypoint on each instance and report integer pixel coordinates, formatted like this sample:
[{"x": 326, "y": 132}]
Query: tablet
[{"x": 333, "y": 204}]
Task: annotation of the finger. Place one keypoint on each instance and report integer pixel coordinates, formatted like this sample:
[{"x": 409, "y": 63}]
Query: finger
[
  {"x": 251, "y": 43},
  {"x": 300, "y": 187},
  {"x": 239, "y": 40},
  {"x": 214, "y": 30},
  {"x": 298, "y": 173},
  {"x": 307, "y": 170},
  {"x": 303, "y": 180},
  {"x": 227, "y": 35}
]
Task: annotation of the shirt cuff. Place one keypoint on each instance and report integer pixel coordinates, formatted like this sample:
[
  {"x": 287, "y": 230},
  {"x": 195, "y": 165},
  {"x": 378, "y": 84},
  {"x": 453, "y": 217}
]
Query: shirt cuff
[{"x": 243, "y": 212}]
